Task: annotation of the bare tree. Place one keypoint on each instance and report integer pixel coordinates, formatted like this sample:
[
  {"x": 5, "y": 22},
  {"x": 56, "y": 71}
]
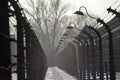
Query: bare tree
[{"x": 47, "y": 18}]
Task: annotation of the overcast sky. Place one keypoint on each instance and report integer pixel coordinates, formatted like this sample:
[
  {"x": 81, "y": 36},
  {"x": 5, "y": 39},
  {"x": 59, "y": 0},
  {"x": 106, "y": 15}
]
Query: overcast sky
[{"x": 97, "y": 7}]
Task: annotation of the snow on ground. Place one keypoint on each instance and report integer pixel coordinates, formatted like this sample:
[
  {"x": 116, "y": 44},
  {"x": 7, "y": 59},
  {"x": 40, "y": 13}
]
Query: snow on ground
[
  {"x": 54, "y": 73},
  {"x": 14, "y": 76},
  {"x": 118, "y": 75}
]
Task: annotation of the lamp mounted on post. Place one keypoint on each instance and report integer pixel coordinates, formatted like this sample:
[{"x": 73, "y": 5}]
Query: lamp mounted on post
[{"x": 82, "y": 14}]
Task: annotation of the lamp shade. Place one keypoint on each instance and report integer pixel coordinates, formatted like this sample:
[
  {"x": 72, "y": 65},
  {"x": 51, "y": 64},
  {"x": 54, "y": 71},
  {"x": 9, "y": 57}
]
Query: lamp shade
[
  {"x": 69, "y": 27},
  {"x": 79, "y": 13}
]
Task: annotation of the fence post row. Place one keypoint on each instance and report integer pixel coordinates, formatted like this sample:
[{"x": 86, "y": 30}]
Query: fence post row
[{"x": 26, "y": 41}]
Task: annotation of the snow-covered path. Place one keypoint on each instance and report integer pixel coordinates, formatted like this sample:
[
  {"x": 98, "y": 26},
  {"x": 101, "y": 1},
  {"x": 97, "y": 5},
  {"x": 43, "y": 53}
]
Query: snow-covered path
[{"x": 54, "y": 73}]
